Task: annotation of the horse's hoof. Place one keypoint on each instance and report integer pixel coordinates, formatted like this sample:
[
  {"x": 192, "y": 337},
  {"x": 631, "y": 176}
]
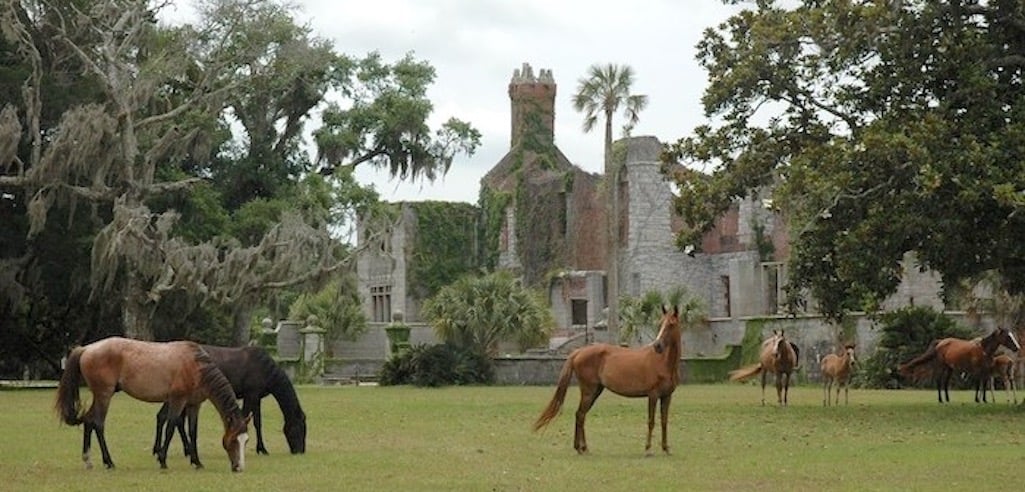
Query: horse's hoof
[
  {"x": 261, "y": 451},
  {"x": 110, "y": 466}
]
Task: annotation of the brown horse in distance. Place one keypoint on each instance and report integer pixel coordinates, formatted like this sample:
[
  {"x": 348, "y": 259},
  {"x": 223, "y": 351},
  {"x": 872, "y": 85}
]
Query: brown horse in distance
[
  {"x": 779, "y": 356},
  {"x": 652, "y": 371},
  {"x": 836, "y": 369},
  {"x": 178, "y": 373},
  {"x": 949, "y": 355}
]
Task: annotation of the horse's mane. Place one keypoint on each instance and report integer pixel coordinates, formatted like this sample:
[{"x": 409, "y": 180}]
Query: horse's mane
[
  {"x": 277, "y": 384},
  {"x": 219, "y": 389}
]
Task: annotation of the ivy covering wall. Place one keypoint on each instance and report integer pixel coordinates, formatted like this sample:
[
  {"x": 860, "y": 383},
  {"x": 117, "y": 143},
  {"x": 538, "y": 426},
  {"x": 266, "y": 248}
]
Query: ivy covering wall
[{"x": 445, "y": 245}]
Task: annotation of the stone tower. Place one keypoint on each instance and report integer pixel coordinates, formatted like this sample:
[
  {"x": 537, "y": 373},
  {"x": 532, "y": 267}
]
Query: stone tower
[{"x": 533, "y": 105}]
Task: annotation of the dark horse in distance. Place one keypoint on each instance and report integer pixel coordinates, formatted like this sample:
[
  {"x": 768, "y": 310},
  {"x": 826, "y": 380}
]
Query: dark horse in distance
[
  {"x": 253, "y": 374},
  {"x": 652, "y": 371},
  {"x": 973, "y": 357},
  {"x": 180, "y": 374}
]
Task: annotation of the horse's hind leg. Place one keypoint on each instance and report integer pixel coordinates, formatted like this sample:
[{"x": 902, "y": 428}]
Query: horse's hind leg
[
  {"x": 827, "y": 386},
  {"x": 588, "y": 395},
  {"x": 97, "y": 417},
  {"x": 87, "y": 441}
]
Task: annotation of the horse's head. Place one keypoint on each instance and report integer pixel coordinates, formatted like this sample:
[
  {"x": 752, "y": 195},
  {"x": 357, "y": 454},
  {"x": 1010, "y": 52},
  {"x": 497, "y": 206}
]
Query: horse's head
[
  {"x": 1006, "y": 338},
  {"x": 849, "y": 352},
  {"x": 295, "y": 434},
  {"x": 236, "y": 433},
  {"x": 668, "y": 330}
]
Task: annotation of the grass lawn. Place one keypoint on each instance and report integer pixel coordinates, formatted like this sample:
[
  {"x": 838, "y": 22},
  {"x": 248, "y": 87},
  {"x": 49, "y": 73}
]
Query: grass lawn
[{"x": 479, "y": 438}]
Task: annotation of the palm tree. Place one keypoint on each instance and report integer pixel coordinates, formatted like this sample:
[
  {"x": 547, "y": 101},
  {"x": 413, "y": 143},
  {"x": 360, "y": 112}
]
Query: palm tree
[{"x": 604, "y": 91}]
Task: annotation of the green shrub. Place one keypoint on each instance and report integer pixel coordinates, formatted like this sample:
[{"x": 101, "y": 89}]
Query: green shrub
[
  {"x": 906, "y": 333},
  {"x": 437, "y": 365}
]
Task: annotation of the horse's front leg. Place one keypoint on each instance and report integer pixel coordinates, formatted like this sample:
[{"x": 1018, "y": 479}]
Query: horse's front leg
[
  {"x": 252, "y": 406},
  {"x": 192, "y": 418},
  {"x": 664, "y": 407},
  {"x": 652, "y": 399},
  {"x": 174, "y": 414},
  {"x": 779, "y": 388}
]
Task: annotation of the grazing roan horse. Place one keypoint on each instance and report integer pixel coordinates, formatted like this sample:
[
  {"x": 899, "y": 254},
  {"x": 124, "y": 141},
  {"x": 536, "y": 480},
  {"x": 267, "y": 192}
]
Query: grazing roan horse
[
  {"x": 779, "y": 356},
  {"x": 178, "y": 373},
  {"x": 1002, "y": 367},
  {"x": 949, "y": 355},
  {"x": 253, "y": 374},
  {"x": 652, "y": 371},
  {"x": 837, "y": 369}
]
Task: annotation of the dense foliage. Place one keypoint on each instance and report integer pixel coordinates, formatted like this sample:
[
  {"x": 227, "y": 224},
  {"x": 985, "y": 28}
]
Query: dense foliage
[
  {"x": 476, "y": 313},
  {"x": 153, "y": 177},
  {"x": 437, "y": 365},
  {"x": 639, "y": 316},
  {"x": 880, "y": 127},
  {"x": 905, "y": 334},
  {"x": 444, "y": 246}
]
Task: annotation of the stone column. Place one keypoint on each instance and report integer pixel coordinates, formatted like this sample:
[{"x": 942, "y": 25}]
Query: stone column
[{"x": 313, "y": 358}]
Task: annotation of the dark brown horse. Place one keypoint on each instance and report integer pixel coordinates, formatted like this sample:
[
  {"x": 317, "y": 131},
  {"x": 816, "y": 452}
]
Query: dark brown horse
[
  {"x": 836, "y": 369},
  {"x": 253, "y": 374},
  {"x": 652, "y": 371},
  {"x": 178, "y": 373},
  {"x": 778, "y": 356},
  {"x": 948, "y": 356}
]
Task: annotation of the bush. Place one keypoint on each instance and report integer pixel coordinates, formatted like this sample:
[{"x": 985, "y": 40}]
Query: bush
[
  {"x": 906, "y": 333},
  {"x": 437, "y": 365}
]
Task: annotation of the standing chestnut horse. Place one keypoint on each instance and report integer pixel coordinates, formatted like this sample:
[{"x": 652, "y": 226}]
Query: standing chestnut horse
[
  {"x": 779, "y": 356},
  {"x": 949, "y": 355},
  {"x": 837, "y": 369},
  {"x": 652, "y": 371},
  {"x": 178, "y": 373}
]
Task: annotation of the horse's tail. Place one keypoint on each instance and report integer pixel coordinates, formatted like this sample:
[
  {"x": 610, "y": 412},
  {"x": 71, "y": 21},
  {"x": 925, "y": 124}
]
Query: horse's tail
[
  {"x": 907, "y": 369},
  {"x": 745, "y": 372},
  {"x": 560, "y": 394},
  {"x": 68, "y": 404}
]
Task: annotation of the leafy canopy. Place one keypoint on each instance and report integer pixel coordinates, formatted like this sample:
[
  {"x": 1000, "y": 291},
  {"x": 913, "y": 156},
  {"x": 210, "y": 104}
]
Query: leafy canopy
[{"x": 881, "y": 127}]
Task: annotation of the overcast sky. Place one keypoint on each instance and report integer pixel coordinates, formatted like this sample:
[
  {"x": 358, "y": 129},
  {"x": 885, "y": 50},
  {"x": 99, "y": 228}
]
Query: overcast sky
[{"x": 474, "y": 46}]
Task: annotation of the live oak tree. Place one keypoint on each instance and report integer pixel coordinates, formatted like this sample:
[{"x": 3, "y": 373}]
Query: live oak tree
[
  {"x": 132, "y": 152},
  {"x": 880, "y": 127}
]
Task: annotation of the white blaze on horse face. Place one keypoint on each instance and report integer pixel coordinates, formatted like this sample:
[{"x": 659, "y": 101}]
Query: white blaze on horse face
[
  {"x": 1014, "y": 339},
  {"x": 242, "y": 439}
]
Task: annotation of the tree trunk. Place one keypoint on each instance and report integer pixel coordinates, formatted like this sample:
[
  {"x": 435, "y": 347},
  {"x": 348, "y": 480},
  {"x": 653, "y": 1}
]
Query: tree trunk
[
  {"x": 612, "y": 222},
  {"x": 136, "y": 311},
  {"x": 241, "y": 316}
]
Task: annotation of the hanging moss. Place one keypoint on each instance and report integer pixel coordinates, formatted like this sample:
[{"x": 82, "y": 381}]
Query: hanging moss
[{"x": 445, "y": 245}]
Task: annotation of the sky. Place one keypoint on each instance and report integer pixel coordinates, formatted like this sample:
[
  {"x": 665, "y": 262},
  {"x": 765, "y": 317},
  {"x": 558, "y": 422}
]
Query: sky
[{"x": 474, "y": 46}]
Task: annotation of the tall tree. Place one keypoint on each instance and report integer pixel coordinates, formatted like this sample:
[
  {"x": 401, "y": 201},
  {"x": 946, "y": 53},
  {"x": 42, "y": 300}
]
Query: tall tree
[
  {"x": 138, "y": 158},
  {"x": 604, "y": 91},
  {"x": 882, "y": 127}
]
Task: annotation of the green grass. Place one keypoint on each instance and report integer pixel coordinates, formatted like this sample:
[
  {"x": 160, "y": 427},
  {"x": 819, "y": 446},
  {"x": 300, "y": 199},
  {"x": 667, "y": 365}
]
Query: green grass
[{"x": 402, "y": 438}]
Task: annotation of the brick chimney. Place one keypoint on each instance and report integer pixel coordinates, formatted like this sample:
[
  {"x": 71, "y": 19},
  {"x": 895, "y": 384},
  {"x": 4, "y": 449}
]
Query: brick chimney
[{"x": 533, "y": 104}]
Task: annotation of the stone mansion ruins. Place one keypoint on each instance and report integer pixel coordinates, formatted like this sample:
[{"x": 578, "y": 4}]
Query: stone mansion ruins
[{"x": 739, "y": 273}]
